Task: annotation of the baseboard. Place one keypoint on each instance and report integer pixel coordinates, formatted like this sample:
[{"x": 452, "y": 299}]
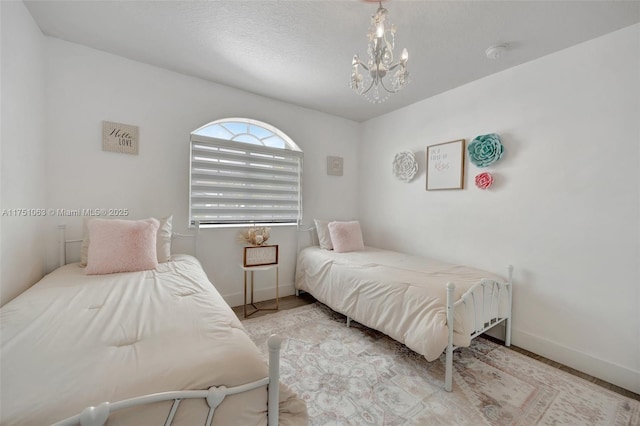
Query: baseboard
[
  {"x": 613, "y": 373},
  {"x": 237, "y": 299}
]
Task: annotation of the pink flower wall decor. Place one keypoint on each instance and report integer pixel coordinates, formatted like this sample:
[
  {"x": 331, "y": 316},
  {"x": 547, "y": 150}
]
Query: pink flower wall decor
[{"x": 484, "y": 180}]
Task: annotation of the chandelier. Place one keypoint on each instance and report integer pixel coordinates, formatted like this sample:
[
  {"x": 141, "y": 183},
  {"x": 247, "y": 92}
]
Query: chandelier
[{"x": 382, "y": 76}]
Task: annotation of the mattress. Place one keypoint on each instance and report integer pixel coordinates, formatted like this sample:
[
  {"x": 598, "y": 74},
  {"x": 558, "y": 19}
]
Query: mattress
[
  {"x": 400, "y": 295},
  {"x": 74, "y": 340}
]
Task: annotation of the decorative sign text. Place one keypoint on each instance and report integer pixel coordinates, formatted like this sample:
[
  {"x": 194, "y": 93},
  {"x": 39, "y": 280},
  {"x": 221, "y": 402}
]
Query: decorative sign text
[
  {"x": 261, "y": 255},
  {"x": 445, "y": 165},
  {"x": 118, "y": 137}
]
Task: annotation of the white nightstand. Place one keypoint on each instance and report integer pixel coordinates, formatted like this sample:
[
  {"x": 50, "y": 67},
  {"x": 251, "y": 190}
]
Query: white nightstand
[{"x": 252, "y": 269}]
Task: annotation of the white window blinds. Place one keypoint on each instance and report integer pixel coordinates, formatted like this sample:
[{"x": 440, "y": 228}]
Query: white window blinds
[{"x": 233, "y": 182}]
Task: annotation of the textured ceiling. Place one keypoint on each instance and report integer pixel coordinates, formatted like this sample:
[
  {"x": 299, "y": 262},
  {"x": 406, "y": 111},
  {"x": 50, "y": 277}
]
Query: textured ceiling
[{"x": 300, "y": 51}]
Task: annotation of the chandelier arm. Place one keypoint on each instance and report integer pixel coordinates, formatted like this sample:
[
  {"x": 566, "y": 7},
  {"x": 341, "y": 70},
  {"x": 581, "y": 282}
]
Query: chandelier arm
[
  {"x": 363, "y": 65},
  {"x": 389, "y": 90},
  {"x": 369, "y": 88}
]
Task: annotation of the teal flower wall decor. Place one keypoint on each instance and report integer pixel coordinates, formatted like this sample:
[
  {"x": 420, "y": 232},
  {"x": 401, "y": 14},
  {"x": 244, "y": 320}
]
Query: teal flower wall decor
[{"x": 485, "y": 150}]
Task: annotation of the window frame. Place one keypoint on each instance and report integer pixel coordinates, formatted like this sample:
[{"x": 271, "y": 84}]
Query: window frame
[{"x": 291, "y": 150}]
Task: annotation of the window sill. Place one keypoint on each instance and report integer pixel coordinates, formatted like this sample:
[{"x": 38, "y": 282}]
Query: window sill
[{"x": 240, "y": 225}]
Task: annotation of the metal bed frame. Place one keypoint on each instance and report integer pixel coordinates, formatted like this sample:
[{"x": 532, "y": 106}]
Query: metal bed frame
[
  {"x": 98, "y": 415},
  {"x": 474, "y": 298}
]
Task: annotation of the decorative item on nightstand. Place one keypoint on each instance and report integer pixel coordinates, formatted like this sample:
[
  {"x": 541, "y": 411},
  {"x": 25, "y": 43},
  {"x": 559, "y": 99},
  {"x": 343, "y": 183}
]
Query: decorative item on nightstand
[
  {"x": 255, "y": 236},
  {"x": 260, "y": 255}
]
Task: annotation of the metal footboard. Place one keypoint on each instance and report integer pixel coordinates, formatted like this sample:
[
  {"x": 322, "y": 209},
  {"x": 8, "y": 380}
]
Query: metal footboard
[
  {"x": 483, "y": 299},
  {"x": 98, "y": 415}
]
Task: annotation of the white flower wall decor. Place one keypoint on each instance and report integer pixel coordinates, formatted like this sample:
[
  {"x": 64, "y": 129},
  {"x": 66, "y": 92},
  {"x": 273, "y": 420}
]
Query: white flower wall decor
[{"x": 405, "y": 166}]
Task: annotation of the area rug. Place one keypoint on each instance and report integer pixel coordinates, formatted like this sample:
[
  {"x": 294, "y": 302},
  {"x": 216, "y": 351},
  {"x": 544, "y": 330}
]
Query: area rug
[{"x": 358, "y": 376}]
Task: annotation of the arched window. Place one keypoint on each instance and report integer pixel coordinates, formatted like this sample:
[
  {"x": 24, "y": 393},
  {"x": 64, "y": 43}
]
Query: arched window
[{"x": 244, "y": 172}]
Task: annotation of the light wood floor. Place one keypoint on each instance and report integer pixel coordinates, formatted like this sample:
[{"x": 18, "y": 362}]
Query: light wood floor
[{"x": 290, "y": 302}]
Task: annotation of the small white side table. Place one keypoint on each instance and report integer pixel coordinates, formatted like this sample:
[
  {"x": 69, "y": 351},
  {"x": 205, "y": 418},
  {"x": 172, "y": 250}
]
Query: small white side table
[{"x": 251, "y": 270}]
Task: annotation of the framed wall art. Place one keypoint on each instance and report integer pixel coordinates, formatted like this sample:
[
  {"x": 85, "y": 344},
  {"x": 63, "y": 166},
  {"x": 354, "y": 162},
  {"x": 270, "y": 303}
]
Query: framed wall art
[
  {"x": 118, "y": 137},
  {"x": 405, "y": 166},
  {"x": 334, "y": 165},
  {"x": 445, "y": 165}
]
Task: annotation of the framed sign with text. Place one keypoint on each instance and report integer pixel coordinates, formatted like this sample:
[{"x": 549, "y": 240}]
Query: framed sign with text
[
  {"x": 118, "y": 137},
  {"x": 445, "y": 165},
  {"x": 260, "y": 255}
]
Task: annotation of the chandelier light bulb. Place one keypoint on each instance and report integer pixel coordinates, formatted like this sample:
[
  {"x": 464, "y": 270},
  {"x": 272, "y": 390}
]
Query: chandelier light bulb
[
  {"x": 405, "y": 55},
  {"x": 382, "y": 76}
]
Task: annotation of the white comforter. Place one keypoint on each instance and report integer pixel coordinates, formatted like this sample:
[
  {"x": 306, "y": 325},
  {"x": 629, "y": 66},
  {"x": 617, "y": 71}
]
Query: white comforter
[
  {"x": 400, "y": 295},
  {"x": 74, "y": 340}
]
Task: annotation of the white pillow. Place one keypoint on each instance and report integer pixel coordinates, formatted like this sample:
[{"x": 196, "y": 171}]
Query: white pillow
[
  {"x": 163, "y": 240},
  {"x": 324, "y": 238},
  {"x": 346, "y": 236},
  {"x": 122, "y": 246}
]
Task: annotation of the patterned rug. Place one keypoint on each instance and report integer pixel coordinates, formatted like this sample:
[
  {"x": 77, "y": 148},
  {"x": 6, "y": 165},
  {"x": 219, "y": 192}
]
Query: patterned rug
[{"x": 358, "y": 376}]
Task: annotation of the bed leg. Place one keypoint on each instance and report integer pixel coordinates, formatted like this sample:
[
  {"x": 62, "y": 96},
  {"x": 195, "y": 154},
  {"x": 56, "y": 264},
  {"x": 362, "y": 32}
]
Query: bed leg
[
  {"x": 348, "y": 321},
  {"x": 273, "y": 404},
  {"x": 448, "y": 367},
  {"x": 507, "y": 333},
  {"x": 297, "y": 293},
  {"x": 448, "y": 370}
]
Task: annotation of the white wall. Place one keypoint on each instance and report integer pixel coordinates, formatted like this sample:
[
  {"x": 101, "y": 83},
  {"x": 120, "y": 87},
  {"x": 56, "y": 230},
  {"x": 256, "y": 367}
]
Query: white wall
[
  {"x": 23, "y": 151},
  {"x": 564, "y": 208},
  {"x": 86, "y": 86}
]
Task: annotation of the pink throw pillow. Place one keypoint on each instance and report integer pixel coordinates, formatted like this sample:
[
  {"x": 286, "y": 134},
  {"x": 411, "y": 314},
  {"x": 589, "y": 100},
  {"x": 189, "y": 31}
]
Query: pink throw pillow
[
  {"x": 346, "y": 236},
  {"x": 122, "y": 246}
]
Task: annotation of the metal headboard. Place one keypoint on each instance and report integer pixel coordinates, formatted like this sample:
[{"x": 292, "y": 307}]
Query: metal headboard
[{"x": 314, "y": 237}]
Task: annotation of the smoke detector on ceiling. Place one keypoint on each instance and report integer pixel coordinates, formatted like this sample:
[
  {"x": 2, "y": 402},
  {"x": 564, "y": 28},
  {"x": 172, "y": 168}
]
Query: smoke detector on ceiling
[{"x": 496, "y": 51}]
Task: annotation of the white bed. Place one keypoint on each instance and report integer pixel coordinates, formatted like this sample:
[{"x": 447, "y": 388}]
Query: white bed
[
  {"x": 73, "y": 341},
  {"x": 409, "y": 298}
]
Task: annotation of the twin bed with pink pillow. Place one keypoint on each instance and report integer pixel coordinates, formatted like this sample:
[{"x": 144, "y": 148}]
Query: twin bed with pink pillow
[
  {"x": 428, "y": 305},
  {"x": 126, "y": 326}
]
